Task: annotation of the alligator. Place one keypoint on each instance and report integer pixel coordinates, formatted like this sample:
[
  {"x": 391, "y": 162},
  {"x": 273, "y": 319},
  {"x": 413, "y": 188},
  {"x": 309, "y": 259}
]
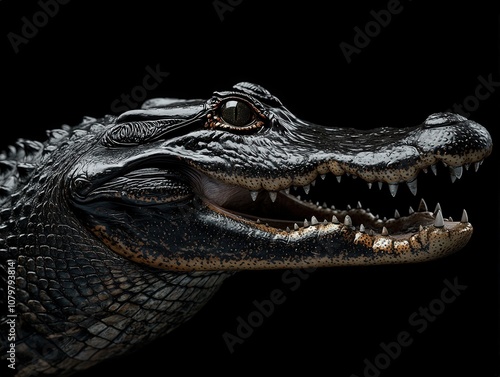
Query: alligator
[{"x": 119, "y": 229}]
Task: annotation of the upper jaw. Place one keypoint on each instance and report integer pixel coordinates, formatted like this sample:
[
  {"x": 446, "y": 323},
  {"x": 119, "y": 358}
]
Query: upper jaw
[{"x": 304, "y": 151}]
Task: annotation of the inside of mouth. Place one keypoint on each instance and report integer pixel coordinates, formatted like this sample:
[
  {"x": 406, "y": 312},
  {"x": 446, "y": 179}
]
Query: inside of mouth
[{"x": 325, "y": 201}]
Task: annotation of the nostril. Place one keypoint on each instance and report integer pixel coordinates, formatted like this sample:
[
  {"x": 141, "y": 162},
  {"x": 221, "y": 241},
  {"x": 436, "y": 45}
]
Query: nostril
[{"x": 442, "y": 119}]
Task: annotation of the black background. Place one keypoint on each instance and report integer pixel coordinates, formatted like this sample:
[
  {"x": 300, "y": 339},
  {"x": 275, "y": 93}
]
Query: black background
[{"x": 425, "y": 59}]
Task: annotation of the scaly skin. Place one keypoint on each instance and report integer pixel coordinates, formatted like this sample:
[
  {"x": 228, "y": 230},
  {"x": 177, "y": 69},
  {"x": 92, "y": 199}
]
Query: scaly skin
[{"x": 120, "y": 229}]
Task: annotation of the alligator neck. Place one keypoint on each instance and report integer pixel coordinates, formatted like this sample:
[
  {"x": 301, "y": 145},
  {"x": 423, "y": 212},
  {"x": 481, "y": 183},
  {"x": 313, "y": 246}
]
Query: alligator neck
[{"x": 73, "y": 294}]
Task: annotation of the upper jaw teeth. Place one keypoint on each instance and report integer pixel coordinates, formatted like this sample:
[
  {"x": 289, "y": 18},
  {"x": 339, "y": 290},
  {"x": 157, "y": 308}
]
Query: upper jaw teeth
[
  {"x": 439, "y": 221},
  {"x": 273, "y": 195},
  {"x": 455, "y": 172}
]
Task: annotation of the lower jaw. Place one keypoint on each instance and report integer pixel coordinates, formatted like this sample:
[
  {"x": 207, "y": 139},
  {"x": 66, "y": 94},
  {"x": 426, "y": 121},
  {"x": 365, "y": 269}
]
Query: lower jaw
[{"x": 424, "y": 240}]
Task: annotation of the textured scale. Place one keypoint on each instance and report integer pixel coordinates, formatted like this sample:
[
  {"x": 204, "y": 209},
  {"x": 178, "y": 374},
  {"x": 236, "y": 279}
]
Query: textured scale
[{"x": 69, "y": 286}]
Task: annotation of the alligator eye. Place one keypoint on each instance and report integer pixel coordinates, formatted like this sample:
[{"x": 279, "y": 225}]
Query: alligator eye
[{"x": 236, "y": 113}]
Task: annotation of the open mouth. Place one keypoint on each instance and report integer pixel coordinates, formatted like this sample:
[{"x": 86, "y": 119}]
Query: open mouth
[{"x": 325, "y": 201}]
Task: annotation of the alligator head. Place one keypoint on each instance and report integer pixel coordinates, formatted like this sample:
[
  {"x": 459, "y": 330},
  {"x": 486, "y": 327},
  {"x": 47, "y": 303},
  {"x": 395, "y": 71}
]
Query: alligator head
[{"x": 209, "y": 185}]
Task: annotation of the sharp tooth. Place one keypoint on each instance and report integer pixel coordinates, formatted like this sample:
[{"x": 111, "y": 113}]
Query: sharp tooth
[
  {"x": 347, "y": 220},
  {"x": 384, "y": 231},
  {"x": 325, "y": 222},
  {"x": 438, "y": 208},
  {"x": 306, "y": 188},
  {"x": 369, "y": 185},
  {"x": 362, "y": 228},
  {"x": 348, "y": 207},
  {"x": 335, "y": 220},
  {"x": 420, "y": 228},
  {"x": 324, "y": 205},
  {"x": 396, "y": 214},
  {"x": 380, "y": 185},
  {"x": 295, "y": 226},
  {"x": 410, "y": 211},
  {"x": 314, "y": 221},
  {"x": 393, "y": 188},
  {"x": 465, "y": 218},
  {"x": 425, "y": 170},
  {"x": 287, "y": 190},
  {"x": 317, "y": 204},
  {"x": 444, "y": 164},
  {"x": 457, "y": 171},
  {"x": 306, "y": 223},
  {"x": 287, "y": 229},
  {"x": 339, "y": 178},
  {"x": 413, "y": 186},
  {"x": 313, "y": 183},
  {"x": 332, "y": 206},
  {"x": 298, "y": 197},
  {"x": 359, "y": 206},
  {"x": 439, "y": 222},
  {"x": 450, "y": 219},
  {"x": 254, "y": 194},
  {"x": 323, "y": 176},
  {"x": 476, "y": 166},
  {"x": 258, "y": 221},
  {"x": 467, "y": 166},
  {"x": 354, "y": 176},
  {"x": 434, "y": 170},
  {"x": 273, "y": 195},
  {"x": 422, "y": 207}
]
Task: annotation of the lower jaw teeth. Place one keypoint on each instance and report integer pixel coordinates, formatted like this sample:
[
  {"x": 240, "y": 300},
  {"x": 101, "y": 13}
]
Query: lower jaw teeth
[{"x": 380, "y": 227}]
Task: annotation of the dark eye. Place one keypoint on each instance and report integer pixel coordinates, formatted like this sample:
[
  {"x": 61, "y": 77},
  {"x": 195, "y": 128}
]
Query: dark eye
[{"x": 236, "y": 113}]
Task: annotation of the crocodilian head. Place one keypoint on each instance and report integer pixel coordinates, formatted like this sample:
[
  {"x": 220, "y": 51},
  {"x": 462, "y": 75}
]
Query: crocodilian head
[{"x": 209, "y": 184}]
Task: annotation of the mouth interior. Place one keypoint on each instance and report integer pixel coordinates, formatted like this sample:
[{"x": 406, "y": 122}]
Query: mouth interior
[{"x": 324, "y": 201}]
